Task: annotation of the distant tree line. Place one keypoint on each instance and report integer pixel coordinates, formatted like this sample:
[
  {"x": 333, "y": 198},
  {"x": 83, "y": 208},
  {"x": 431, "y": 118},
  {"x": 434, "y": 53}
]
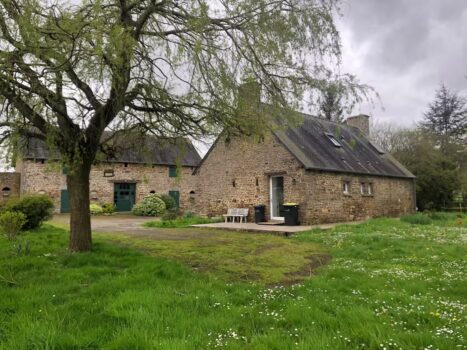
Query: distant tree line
[{"x": 435, "y": 151}]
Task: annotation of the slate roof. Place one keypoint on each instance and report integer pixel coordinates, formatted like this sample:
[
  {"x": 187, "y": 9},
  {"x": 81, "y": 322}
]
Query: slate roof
[
  {"x": 128, "y": 149},
  {"x": 311, "y": 145}
]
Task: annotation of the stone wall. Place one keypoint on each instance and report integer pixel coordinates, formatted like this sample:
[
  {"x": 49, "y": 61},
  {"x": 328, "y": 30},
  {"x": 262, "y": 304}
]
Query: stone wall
[
  {"x": 328, "y": 203},
  {"x": 236, "y": 174},
  {"x": 48, "y": 178},
  {"x": 9, "y": 186}
]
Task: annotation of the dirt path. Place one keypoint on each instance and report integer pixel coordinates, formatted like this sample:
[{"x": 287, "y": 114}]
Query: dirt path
[{"x": 130, "y": 224}]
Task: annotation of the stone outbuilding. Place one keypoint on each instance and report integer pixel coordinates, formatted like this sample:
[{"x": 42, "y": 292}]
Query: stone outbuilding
[
  {"x": 330, "y": 169},
  {"x": 132, "y": 168}
]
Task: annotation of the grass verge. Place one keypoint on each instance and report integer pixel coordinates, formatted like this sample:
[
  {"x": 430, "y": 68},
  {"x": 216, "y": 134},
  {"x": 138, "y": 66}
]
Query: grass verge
[
  {"x": 437, "y": 218},
  {"x": 182, "y": 222}
]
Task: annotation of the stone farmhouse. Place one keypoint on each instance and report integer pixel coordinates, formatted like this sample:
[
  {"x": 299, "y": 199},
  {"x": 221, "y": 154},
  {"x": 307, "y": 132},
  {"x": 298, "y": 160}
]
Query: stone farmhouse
[
  {"x": 138, "y": 167},
  {"x": 331, "y": 170}
]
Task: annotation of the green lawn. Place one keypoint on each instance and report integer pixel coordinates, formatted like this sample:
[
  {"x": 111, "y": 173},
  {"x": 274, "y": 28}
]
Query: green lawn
[
  {"x": 389, "y": 285},
  {"x": 182, "y": 222}
]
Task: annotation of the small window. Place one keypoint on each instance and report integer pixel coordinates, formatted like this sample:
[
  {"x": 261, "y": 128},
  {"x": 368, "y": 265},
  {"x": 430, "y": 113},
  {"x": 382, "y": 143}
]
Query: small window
[
  {"x": 257, "y": 182},
  {"x": 125, "y": 165},
  {"x": 234, "y": 184},
  {"x": 366, "y": 189},
  {"x": 6, "y": 191},
  {"x": 346, "y": 187},
  {"x": 334, "y": 141},
  {"x": 172, "y": 171},
  {"x": 152, "y": 192},
  {"x": 109, "y": 173}
]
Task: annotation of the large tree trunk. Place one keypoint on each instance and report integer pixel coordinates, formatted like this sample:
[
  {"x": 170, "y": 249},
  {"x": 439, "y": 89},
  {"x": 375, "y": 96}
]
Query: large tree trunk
[{"x": 80, "y": 218}]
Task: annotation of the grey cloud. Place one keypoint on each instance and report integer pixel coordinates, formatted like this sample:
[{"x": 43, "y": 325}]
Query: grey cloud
[{"x": 405, "y": 49}]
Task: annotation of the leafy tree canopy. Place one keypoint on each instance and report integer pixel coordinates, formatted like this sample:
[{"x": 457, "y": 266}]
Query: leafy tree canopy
[
  {"x": 446, "y": 117},
  {"x": 172, "y": 68},
  {"x": 437, "y": 176}
]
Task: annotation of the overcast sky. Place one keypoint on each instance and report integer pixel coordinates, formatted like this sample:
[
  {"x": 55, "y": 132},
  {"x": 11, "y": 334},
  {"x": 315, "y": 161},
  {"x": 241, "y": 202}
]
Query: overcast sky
[{"x": 405, "y": 49}]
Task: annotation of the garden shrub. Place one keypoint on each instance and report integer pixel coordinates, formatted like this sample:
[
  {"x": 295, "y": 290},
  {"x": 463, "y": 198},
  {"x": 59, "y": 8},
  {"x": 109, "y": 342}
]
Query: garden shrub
[
  {"x": 189, "y": 214},
  {"x": 151, "y": 205},
  {"x": 169, "y": 201},
  {"x": 171, "y": 214},
  {"x": 108, "y": 208},
  {"x": 36, "y": 208},
  {"x": 95, "y": 209},
  {"x": 11, "y": 223},
  {"x": 417, "y": 219}
]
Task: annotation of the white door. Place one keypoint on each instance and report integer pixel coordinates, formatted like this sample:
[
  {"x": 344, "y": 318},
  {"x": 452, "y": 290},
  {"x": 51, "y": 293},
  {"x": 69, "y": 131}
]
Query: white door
[{"x": 276, "y": 195}]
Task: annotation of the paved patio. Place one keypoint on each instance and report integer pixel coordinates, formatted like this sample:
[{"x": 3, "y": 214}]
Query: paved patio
[{"x": 277, "y": 229}]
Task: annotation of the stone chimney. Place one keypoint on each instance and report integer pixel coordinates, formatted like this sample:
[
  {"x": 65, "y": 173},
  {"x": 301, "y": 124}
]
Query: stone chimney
[
  {"x": 249, "y": 96},
  {"x": 361, "y": 122}
]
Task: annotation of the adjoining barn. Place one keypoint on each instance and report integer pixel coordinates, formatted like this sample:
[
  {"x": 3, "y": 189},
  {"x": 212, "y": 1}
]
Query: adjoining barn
[
  {"x": 132, "y": 167},
  {"x": 330, "y": 169}
]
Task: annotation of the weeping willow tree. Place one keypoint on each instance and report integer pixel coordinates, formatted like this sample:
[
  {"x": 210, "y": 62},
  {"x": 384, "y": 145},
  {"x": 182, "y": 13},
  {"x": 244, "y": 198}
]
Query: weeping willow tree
[{"x": 69, "y": 71}]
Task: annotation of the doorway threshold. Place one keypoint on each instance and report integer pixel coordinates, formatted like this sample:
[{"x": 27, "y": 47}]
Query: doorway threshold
[{"x": 272, "y": 222}]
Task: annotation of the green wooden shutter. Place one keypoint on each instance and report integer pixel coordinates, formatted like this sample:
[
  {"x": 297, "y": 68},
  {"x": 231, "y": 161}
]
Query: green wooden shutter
[
  {"x": 176, "y": 196},
  {"x": 172, "y": 171},
  {"x": 64, "y": 201}
]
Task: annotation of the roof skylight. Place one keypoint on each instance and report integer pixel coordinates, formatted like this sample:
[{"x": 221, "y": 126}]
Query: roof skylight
[{"x": 334, "y": 141}]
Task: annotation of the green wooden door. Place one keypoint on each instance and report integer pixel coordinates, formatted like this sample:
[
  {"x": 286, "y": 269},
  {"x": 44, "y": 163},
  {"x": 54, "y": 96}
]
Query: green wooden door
[
  {"x": 64, "y": 201},
  {"x": 176, "y": 196},
  {"x": 124, "y": 196}
]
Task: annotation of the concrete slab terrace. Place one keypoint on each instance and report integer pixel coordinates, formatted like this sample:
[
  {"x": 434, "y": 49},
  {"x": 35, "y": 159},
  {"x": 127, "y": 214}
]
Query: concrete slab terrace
[{"x": 274, "y": 229}]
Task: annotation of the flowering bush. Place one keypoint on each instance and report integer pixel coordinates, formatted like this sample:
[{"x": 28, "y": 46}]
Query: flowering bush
[
  {"x": 151, "y": 205},
  {"x": 108, "y": 208},
  {"x": 95, "y": 209}
]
